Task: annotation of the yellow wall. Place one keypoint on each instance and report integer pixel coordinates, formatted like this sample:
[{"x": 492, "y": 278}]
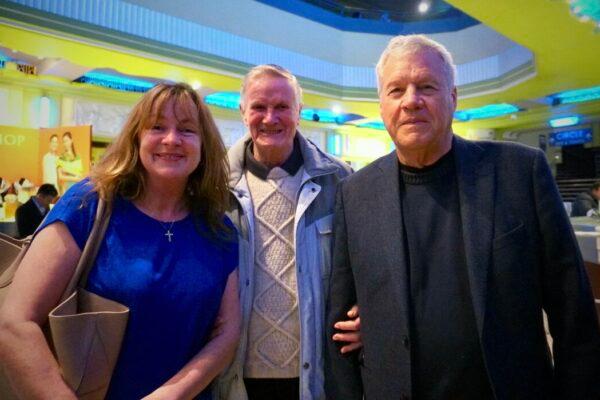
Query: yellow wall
[{"x": 19, "y": 150}]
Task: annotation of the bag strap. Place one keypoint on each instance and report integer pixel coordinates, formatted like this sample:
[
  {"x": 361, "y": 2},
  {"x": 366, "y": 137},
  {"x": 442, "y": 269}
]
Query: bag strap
[{"x": 90, "y": 251}]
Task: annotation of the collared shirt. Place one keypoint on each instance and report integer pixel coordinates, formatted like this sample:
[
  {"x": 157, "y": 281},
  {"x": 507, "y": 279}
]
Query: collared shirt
[{"x": 291, "y": 165}]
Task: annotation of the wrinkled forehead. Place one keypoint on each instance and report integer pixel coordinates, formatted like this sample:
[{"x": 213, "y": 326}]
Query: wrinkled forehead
[{"x": 270, "y": 88}]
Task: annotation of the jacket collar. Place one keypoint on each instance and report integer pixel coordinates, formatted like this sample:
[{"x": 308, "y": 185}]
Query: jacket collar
[{"x": 315, "y": 161}]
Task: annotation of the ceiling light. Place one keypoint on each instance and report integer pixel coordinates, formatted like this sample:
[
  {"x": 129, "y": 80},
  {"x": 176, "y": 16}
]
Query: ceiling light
[
  {"x": 423, "y": 7},
  {"x": 327, "y": 116},
  {"x": 373, "y": 124},
  {"x": 576, "y": 96},
  {"x": 488, "y": 111},
  {"x": 196, "y": 85},
  {"x": 586, "y": 10},
  {"x": 564, "y": 121},
  {"x": 115, "y": 82},
  {"x": 229, "y": 100}
]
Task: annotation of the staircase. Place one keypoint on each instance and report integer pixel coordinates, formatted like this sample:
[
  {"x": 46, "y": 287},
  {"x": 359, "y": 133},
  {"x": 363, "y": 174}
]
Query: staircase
[{"x": 569, "y": 188}]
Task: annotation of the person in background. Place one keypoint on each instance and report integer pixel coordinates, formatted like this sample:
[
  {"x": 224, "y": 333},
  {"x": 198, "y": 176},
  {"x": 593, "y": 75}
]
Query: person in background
[
  {"x": 453, "y": 249},
  {"x": 586, "y": 203},
  {"x": 169, "y": 254},
  {"x": 4, "y": 187},
  {"x": 69, "y": 165},
  {"x": 49, "y": 162},
  {"x": 24, "y": 189},
  {"x": 284, "y": 189},
  {"x": 30, "y": 215}
]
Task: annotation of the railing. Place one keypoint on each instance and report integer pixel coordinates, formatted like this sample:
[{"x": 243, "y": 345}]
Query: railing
[{"x": 570, "y": 188}]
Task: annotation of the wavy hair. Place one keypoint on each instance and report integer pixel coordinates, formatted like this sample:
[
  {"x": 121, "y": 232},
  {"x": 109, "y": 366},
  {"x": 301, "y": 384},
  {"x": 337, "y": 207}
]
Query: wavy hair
[{"x": 120, "y": 171}]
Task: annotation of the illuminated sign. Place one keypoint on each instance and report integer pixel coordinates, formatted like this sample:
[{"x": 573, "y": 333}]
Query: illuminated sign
[{"x": 566, "y": 138}]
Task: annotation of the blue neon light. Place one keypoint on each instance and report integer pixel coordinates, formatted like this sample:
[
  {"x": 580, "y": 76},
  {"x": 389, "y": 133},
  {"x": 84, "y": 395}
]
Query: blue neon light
[
  {"x": 488, "y": 111},
  {"x": 115, "y": 82},
  {"x": 327, "y": 116},
  {"x": 576, "y": 96},
  {"x": 229, "y": 100},
  {"x": 564, "y": 121},
  {"x": 375, "y": 124},
  {"x": 567, "y": 138}
]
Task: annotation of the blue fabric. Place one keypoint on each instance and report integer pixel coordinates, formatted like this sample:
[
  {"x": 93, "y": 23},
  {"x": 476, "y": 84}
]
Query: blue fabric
[{"x": 173, "y": 289}]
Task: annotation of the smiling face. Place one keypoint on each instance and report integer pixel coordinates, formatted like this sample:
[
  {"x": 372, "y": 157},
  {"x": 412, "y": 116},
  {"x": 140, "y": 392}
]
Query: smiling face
[
  {"x": 272, "y": 114},
  {"x": 67, "y": 142},
  {"x": 170, "y": 146},
  {"x": 417, "y": 105}
]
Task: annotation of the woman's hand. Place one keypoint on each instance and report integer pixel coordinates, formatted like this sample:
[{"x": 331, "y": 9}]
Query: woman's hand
[
  {"x": 37, "y": 287},
  {"x": 200, "y": 371}
]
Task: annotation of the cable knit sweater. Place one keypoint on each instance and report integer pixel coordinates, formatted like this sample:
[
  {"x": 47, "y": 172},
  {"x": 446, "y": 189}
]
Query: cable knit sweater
[{"x": 274, "y": 328}]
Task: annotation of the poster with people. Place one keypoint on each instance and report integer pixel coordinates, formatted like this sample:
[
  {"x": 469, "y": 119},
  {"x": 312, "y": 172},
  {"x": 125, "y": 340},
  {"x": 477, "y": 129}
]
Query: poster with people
[
  {"x": 64, "y": 155},
  {"x": 31, "y": 157}
]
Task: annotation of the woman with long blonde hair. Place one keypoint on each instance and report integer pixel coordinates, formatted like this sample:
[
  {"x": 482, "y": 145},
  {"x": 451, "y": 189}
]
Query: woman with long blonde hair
[{"x": 169, "y": 254}]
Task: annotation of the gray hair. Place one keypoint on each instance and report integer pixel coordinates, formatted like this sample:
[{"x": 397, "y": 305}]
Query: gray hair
[
  {"x": 411, "y": 44},
  {"x": 275, "y": 71}
]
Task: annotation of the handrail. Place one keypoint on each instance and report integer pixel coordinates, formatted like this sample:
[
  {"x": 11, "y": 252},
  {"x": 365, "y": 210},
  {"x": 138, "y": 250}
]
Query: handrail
[{"x": 587, "y": 234}]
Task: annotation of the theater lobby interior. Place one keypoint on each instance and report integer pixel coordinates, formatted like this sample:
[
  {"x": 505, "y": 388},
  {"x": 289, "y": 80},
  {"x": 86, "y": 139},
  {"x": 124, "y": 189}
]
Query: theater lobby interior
[{"x": 527, "y": 71}]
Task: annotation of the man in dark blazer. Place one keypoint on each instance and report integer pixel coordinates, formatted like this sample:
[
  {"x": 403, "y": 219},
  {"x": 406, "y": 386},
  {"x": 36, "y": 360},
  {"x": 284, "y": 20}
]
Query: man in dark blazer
[
  {"x": 30, "y": 215},
  {"x": 452, "y": 249}
]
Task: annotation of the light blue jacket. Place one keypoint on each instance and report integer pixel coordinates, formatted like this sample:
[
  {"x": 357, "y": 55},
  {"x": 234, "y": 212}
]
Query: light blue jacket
[{"x": 313, "y": 238}]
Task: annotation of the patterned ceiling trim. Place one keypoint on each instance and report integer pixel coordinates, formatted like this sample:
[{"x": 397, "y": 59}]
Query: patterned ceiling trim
[
  {"x": 510, "y": 79},
  {"x": 126, "y": 25}
]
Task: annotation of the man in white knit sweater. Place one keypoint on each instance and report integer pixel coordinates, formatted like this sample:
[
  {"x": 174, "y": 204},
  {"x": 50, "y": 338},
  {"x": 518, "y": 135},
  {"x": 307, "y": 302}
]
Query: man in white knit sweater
[{"x": 284, "y": 188}]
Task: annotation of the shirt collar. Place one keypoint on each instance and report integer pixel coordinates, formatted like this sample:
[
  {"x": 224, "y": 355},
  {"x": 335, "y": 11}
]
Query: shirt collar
[{"x": 291, "y": 165}]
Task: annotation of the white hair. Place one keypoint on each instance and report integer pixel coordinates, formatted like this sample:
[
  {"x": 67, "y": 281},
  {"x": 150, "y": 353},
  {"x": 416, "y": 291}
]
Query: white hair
[
  {"x": 410, "y": 44},
  {"x": 273, "y": 71}
]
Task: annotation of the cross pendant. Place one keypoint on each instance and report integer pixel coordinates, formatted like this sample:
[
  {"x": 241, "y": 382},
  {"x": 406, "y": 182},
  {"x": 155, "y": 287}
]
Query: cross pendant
[{"x": 168, "y": 234}]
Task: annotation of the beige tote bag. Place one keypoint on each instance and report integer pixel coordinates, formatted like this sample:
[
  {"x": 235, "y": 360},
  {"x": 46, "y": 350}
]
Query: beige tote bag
[{"x": 86, "y": 330}]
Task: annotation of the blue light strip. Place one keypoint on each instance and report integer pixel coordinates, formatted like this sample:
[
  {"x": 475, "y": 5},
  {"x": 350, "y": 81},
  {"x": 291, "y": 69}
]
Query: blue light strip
[
  {"x": 564, "y": 121},
  {"x": 488, "y": 111},
  {"x": 374, "y": 124},
  {"x": 230, "y": 100},
  {"x": 327, "y": 116},
  {"x": 115, "y": 82},
  {"x": 319, "y": 115},
  {"x": 586, "y": 10},
  {"x": 576, "y": 96}
]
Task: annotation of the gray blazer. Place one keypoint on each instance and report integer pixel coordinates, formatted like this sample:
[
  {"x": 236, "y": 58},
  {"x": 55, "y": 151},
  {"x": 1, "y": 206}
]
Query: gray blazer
[{"x": 521, "y": 255}]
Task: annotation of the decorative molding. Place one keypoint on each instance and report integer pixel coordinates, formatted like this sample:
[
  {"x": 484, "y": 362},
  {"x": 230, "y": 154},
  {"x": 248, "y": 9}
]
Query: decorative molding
[{"x": 177, "y": 40}]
